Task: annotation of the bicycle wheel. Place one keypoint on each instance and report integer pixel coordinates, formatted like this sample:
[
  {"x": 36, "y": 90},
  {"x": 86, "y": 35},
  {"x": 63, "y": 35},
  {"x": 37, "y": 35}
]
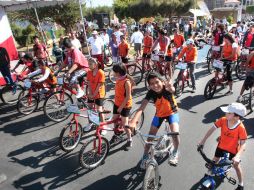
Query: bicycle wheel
[
  {"x": 108, "y": 61},
  {"x": 111, "y": 76},
  {"x": 251, "y": 99},
  {"x": 108, "y": 105},
  {"x": 10, "y": 95},
  {"x": 210, "y": 89},
  {"x": 135, "y": 72},
  {"x": 240, "y": 70},
  {"x": 210, "y": 65},
  {"x": 151, "y": 180},
  {"x": 179, "y": 86},
  {"x": 27, "y": 104},
  {"x": 70, "y": 137},
  {"x": 89, "y": 156},
  {"x": 140, "y": 121},
  {"x": 55, "y": 106}
]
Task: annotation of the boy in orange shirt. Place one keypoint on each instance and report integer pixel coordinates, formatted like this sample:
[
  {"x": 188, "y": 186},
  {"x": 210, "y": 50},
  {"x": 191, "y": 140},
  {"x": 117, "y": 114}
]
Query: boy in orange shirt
[
  {"x": 148, "y": 43},
  {"x": 191, "y": 56},
  {"x": 96, "y": 86},
  {"x": 233, "y": 137},
  {"x": 123, "y": 49}
]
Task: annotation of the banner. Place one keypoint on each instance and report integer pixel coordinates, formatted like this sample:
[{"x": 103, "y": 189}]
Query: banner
[{"x": 6, "y": 37}]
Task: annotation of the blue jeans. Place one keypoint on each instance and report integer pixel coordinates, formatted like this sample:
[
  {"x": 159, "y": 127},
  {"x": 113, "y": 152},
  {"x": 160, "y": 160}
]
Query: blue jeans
[{"x": 5, "y": 70}]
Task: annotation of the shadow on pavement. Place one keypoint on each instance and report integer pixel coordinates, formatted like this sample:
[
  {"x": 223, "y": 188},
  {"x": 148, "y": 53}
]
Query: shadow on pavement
[
  {"x": 211, "y": 116},
  {"x": 129, "y": 179},
  {"x": 248, "y": 123},
  {"x": 189, "y": 102},
  {"x": 198, "y": 185}
]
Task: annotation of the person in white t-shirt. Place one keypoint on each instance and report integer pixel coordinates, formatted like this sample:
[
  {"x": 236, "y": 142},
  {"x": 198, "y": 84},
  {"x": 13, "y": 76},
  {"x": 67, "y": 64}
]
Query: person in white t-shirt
[
  {"x": 137, "y": 38},
  {"x": 97, "y": 46},
  {"x": 75, "y": 42},
  {"x": 105, "y": 37},
  {"x": 118, "y": 34}
]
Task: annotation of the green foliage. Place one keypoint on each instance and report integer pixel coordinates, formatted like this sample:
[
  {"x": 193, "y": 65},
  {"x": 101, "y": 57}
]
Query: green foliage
[
  {"x": 146, "y": 8},
  {"x": 16, "y": 30},
  {"x": 250, "y": 9},
  {"x": 88, "y": 12},
  {"x": 230, "y": 19}
]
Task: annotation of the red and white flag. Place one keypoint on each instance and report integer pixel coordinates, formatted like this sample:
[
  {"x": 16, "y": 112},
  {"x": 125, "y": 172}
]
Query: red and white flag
[{"x": 6, "y": 37}]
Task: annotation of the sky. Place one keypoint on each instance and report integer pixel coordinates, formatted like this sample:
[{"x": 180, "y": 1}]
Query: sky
[{"x": 96, "y": 3}]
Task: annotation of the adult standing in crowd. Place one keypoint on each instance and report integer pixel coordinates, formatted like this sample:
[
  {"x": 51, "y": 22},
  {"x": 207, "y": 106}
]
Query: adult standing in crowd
[
  {"x": 137, "y": 38},
  {"x": 5, "y": 66},
  {"x": 39, "y": 49},
  {"x": 118, "y": 34},
  {"x": 75, "y": 42},
  {"x": 97, "y": 46}
]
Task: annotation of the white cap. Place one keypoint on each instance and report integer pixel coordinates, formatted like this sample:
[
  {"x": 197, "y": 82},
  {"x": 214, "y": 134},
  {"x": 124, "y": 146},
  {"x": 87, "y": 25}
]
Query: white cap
[
  {"x": 189, "y": 41},
  {"x": 236, "y": 108},
  {"x": 94, "y": 32}
]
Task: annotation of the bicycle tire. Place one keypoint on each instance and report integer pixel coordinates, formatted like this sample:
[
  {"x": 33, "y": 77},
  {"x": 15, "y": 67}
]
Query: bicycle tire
[
  {"x": 33, "y": 104},
  {"x": 140, "y": 121},
  {"x": 108, "y": 104},
  {"x": 84, "y": 159},
  {"x": 240, "y": 71},
  {"x": 210, "y": 67},
  {"x": 108, "y": 61},
  {"x": 151, "y": 182},
  {"x": 179, "y": 87},
  {"x": 60, "y": 108},
  {"x": 7, "y": 93},
  {"x": 72, "y": 140},
  {"x": 251, "y": 99},
  {"x": 135, "y": 72},
  {"x": 210, "y": 89}
]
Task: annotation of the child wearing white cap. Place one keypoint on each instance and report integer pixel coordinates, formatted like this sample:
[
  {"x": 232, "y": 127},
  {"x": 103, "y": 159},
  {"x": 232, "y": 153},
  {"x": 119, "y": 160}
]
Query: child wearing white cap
[{"x": 232, "y": 138}]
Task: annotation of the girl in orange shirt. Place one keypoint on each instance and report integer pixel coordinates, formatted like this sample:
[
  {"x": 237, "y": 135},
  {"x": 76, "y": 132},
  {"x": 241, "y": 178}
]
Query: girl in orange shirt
[
  {"x": 96, "y": 85},
  {"x": 229, "y": 53},
  {"x": 123, "y": 100}
]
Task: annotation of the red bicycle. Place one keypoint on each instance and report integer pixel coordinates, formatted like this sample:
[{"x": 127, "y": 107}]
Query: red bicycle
[{"x": 95, "y": 151}]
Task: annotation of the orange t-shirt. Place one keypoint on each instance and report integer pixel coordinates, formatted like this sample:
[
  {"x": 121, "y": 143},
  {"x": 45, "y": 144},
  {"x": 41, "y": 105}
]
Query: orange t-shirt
[
  {"x": 163, "y": 42},
  {"x": 191, "y": 55},
  {"x": 94, "y": 82},
  {"x": 229, "y": 139},
  {"x": 120, "y": 93},
  {"x": 170, "y": 52},
  {"x": 178, "y": 40},
  {"x": 52, "y": 80},
  {"x": 227, "y": 51},
  {"x": 148, "y": 43},
  {"x": 123, "y": 49},
  {"x": 165, "y": 102}
]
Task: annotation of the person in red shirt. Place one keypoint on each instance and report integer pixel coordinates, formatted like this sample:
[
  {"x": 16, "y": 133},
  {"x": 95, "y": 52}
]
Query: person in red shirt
[
  {"x": 77, "y": 66},
  {"x": 248, "y": 40},
  {"x": 123, "y": 49},
  {"x": 232, "y": 139},
  {"x": 39, "y": 49},
  {"x": 191, "y": 56}
]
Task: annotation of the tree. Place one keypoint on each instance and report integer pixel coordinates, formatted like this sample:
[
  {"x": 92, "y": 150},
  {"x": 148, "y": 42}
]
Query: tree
[
  {"x": 146, "y": 8},
  {"x": 65, "y": 14}
]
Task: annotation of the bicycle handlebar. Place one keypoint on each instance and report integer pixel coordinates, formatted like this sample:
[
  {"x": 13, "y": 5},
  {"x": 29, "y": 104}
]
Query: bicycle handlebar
[{"x": 209, "y": 161}]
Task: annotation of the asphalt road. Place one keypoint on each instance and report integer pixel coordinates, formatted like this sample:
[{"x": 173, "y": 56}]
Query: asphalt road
[{"x": 30, "y": 157}]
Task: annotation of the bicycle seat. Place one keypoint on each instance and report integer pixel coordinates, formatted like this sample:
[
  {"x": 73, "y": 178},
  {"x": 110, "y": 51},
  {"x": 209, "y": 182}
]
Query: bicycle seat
[{"x": 73, "y": 108}]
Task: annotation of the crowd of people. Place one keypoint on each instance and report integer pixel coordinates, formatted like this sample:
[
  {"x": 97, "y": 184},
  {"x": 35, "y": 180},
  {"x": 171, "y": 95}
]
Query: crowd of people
[{"x": 147, "y": 40}]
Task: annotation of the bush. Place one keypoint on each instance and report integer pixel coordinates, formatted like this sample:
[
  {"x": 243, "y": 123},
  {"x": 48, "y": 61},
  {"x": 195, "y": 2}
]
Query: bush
[{"x": 16, "y": 30}]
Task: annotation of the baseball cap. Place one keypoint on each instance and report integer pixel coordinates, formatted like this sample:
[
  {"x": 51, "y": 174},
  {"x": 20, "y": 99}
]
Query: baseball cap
[
  {"x": 236, "y": 108},
  {"x": 189, "y": 41}
]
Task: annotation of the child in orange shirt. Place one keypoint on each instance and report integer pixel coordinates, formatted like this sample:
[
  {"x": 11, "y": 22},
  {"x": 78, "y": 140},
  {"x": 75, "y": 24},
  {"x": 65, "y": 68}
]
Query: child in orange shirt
[
  {"x": 123, "y": 49},
  {"x": 123, "y": 100},
  {"x": 96, "y": 85},
  {"x": 233, "y": 137}
]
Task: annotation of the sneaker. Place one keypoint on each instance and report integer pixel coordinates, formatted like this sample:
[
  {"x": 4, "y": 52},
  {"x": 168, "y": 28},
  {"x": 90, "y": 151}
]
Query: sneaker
[
  {"x": 113, "y": 139},
  {"x": 103, "y": 132},
  {"x": 80, "y": 93},
  {"x": 239, "y": 187},
  {"x": 173, "y": 158},
  {"x": 143, "y": 162},
  {"x": 128, "y": 145},
  {"x": 239, "y": 99},
  {"x": 87, "y": 127},
  {"x": 230, "y": 92}
]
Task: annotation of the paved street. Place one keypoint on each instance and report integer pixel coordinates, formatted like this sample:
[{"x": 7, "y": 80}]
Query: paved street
[{"x": 30, "y": 157}]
